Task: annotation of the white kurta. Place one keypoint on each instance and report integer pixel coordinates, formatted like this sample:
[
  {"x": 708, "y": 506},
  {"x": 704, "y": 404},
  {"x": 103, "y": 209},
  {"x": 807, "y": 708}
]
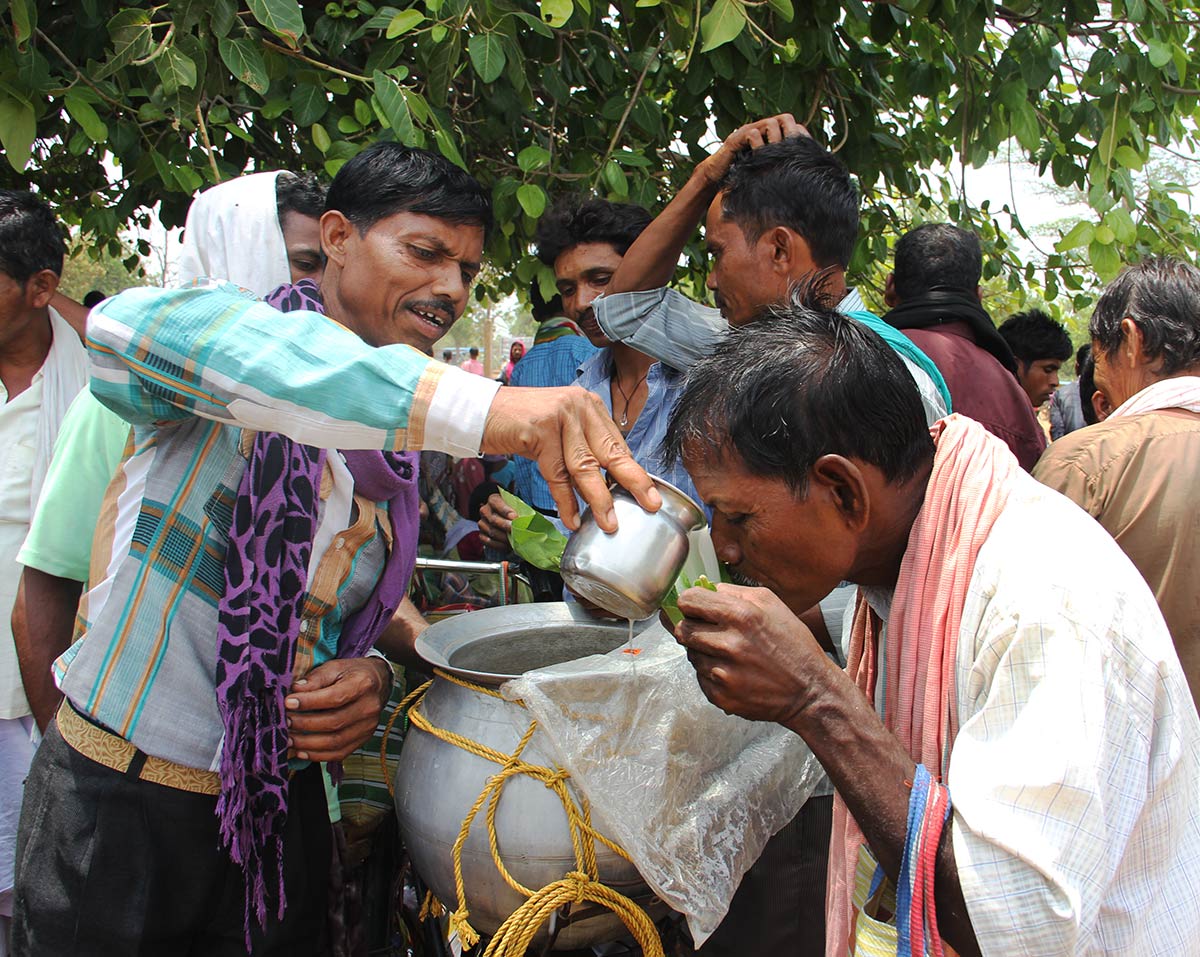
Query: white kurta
[{"x": 1075, "y": 775}]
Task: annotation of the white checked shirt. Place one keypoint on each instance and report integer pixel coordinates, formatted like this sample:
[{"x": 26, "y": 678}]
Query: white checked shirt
[{"x": 1075, "y": 775}]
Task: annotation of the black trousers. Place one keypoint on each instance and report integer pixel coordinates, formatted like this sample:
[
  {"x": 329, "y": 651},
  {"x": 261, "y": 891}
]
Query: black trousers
[
  {"x": 779, "y": 908},
  {"x": 109, "y": 865}
]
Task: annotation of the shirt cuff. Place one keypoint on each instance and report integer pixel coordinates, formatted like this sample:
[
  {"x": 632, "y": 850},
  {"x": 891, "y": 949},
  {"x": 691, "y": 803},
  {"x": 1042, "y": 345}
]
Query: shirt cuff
[{"x": 458, "y": 411}]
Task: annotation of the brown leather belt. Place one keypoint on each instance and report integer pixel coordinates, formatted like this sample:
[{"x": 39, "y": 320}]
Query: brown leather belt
[{"x": 115, "y": 752}]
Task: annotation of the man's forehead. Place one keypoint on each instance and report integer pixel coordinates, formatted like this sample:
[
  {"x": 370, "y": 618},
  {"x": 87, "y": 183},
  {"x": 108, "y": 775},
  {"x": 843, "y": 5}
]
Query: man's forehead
[{"x": 582, "y": 259}]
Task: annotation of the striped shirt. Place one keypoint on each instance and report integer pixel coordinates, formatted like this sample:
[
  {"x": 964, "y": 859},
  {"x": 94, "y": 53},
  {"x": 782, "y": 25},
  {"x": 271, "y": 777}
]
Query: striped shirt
[{"x": 191, "y": 370}]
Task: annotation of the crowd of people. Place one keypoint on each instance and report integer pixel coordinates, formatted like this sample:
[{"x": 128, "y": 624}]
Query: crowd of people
[{"x": 215, "y": 496}]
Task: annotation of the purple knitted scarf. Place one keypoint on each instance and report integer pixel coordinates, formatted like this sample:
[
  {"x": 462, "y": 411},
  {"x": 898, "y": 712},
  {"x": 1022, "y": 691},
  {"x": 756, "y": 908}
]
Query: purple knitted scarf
[{"x": 266, "y": 571}]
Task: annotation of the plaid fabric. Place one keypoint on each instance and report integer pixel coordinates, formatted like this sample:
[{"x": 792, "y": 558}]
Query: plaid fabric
[{"x": 191, "y": 368}]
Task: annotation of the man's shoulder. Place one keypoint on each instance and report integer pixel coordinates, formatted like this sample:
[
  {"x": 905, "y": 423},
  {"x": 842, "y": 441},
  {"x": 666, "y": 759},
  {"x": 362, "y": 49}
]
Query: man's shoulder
[{"x": 1115, "y": 440}]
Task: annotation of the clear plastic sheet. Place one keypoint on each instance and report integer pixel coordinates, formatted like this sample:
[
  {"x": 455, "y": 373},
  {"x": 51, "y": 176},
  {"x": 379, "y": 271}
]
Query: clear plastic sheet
[{"x": 692, "y": 794}]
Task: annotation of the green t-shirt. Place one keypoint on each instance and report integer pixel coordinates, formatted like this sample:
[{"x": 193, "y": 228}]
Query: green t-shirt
[{"x": 90, "y": 446}]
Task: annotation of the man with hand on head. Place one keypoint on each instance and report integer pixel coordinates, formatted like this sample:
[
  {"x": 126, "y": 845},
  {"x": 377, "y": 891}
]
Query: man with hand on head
[
  {"x": 263, "y": 539},
  {"x": 1016, "y": 755}
]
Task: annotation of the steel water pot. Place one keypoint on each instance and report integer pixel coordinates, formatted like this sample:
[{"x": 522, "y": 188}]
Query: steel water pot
[
  {"x": 628, "y": 572},
  {"x": 437, "y": 782}
]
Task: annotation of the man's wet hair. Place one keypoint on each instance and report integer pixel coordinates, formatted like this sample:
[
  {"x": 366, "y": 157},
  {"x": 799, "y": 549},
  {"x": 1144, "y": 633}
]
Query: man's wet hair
[
  {"x": 573, "y": 221},
  {"x": 30, "y": 237},
  {"x": 94, "y": 298},
  {"x": 801, "y": 382},
  {"x": 1081, "y": 355},
  {"x": 799, "y": 184},
  {"x": 1033, "y": 335},
  {"x": 937, "y": 256},
  {"x": 1087, "y": 388},
  {"x": 301, "y": 193},
  {"x": 388, "y": 178},
  {"x": 1161, "y": 295}
]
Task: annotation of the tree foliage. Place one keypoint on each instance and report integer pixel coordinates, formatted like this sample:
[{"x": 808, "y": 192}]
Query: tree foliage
[{"x": 111, "y": 107}]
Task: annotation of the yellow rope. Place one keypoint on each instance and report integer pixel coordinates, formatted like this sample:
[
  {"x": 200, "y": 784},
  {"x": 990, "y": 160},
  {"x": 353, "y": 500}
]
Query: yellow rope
[{"x": 582, "y": 884}]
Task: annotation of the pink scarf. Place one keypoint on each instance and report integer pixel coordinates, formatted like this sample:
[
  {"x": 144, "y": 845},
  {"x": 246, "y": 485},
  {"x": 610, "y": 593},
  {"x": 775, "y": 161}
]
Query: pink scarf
[
  {"x": 1178, "y": 392},
  {"x": 968, "y": 488}
]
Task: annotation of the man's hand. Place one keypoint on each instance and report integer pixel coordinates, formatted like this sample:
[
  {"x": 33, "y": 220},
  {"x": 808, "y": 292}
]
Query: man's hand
[
  {"x": 495, "y": 521},
  {"x": 773, "y": 129},
  {"x": 571, "y": 436},
  {"x": 335, "y": 707},
  {"x": 752, "y": 656}
]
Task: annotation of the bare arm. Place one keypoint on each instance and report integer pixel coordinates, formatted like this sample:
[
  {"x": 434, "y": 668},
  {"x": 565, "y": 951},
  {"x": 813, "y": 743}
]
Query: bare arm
[
  {"x": 755, "y": 659},
  {"x": 651, "y": 260},
  {"x": 43, "y": 636},
  {"x": 398, "y": 640},
  {"x": 75, "y": 313}
]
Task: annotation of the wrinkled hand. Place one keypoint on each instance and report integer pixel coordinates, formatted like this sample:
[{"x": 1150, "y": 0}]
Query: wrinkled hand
[
  {"x": 752, "y": 135},
  {"x": 495, "y": 522},
  {"x": 752, "y": 656},
  {"x": 335, "y": 707},
  {"x": 571, "y": 436}
]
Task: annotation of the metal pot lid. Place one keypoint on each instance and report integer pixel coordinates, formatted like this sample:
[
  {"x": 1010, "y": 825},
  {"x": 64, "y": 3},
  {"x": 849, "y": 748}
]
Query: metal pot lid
[{"x": 494, "y": 645}]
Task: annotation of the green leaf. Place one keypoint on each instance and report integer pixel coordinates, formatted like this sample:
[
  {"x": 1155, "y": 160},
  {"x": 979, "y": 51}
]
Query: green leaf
[
  {"x": 282, "y": 17},
  {"x": 557, "y": 12},
  {"x": 1122, "y": 225},
  {"x": 245, "y": 62},
  {"x": 131, "y": 37},
  {"x": 309, "y": 103},
  {"x": 83, "y": 113},
  {"x": 1104, "y": 235},
  {"x": 176, "y": 69},
  {"x": 1160, "y": 53},
  {"x": 784, "y": 9},
  {"x": 222, "y": 16},
  {"x": 404, "y": 21},
  {"x": 532, "y": 199},
  {"x": 532, "y": 157},
  {"x": 447, "y": 147},
  {"x": 614, "y": 178},
  {"x": 442, "y": 66},
  {"x": 320, "y": 138},
  {"x": 395, "y": 107},
  {"x": 18, "y": 129},
  {"x": 1129, "y": 158},
  {"x": 1080, "y": 235},
  {"x": 533, "y": 536},
  {"x": 722, "y": 23},
  {"x": 24, "y": 18},
  {"x": 1106, "y": 260},
  {"x": 487, "y": 56}
]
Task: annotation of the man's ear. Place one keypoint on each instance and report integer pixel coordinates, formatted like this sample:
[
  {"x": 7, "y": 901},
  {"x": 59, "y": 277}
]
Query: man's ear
[
  {"x": 890, "y": 299},
  {"x": 1133, "y": 342},
  {"x": 979, "y": 293},
  {"x": 791, "y": 255},
  {"x": 40, "y": 288},
  {"x": 336, "y": 231},
  {"x": 843, "y": 481}
]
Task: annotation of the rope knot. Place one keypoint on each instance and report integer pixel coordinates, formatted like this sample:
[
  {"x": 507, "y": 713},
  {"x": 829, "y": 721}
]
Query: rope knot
[
  {"x": 552, "y": 780},
  {"x": 466, "y": 933},
  {"x": 582, "y": 882}
]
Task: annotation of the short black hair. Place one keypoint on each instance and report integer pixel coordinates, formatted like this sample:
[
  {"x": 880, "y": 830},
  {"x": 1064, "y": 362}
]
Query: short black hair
[
  {"x": 1087, "y": 388},
  {"x": 388, "y": 178},
  {"x": 301, "y": 193},
  {"x": 30, "y": 238},
  {"x": 1161, "y": 295},
  {"x": 574, "y": 220},
  {"x": 799, "y": 184},
  {"x": 542, "y": 308},
  {"x": 937, "y": 256},
  {"x": 474, "y": 350},
  {"x": 800, "y": 383},
  {"x": 1033, "y": 335},
  {"x": 1080, "y": 355},
  {"x": 94, "y": 298}
]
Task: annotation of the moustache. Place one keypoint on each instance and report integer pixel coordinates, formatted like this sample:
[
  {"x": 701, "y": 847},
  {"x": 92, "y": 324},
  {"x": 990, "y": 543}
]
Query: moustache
[{"x": 443, "y": 306}]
